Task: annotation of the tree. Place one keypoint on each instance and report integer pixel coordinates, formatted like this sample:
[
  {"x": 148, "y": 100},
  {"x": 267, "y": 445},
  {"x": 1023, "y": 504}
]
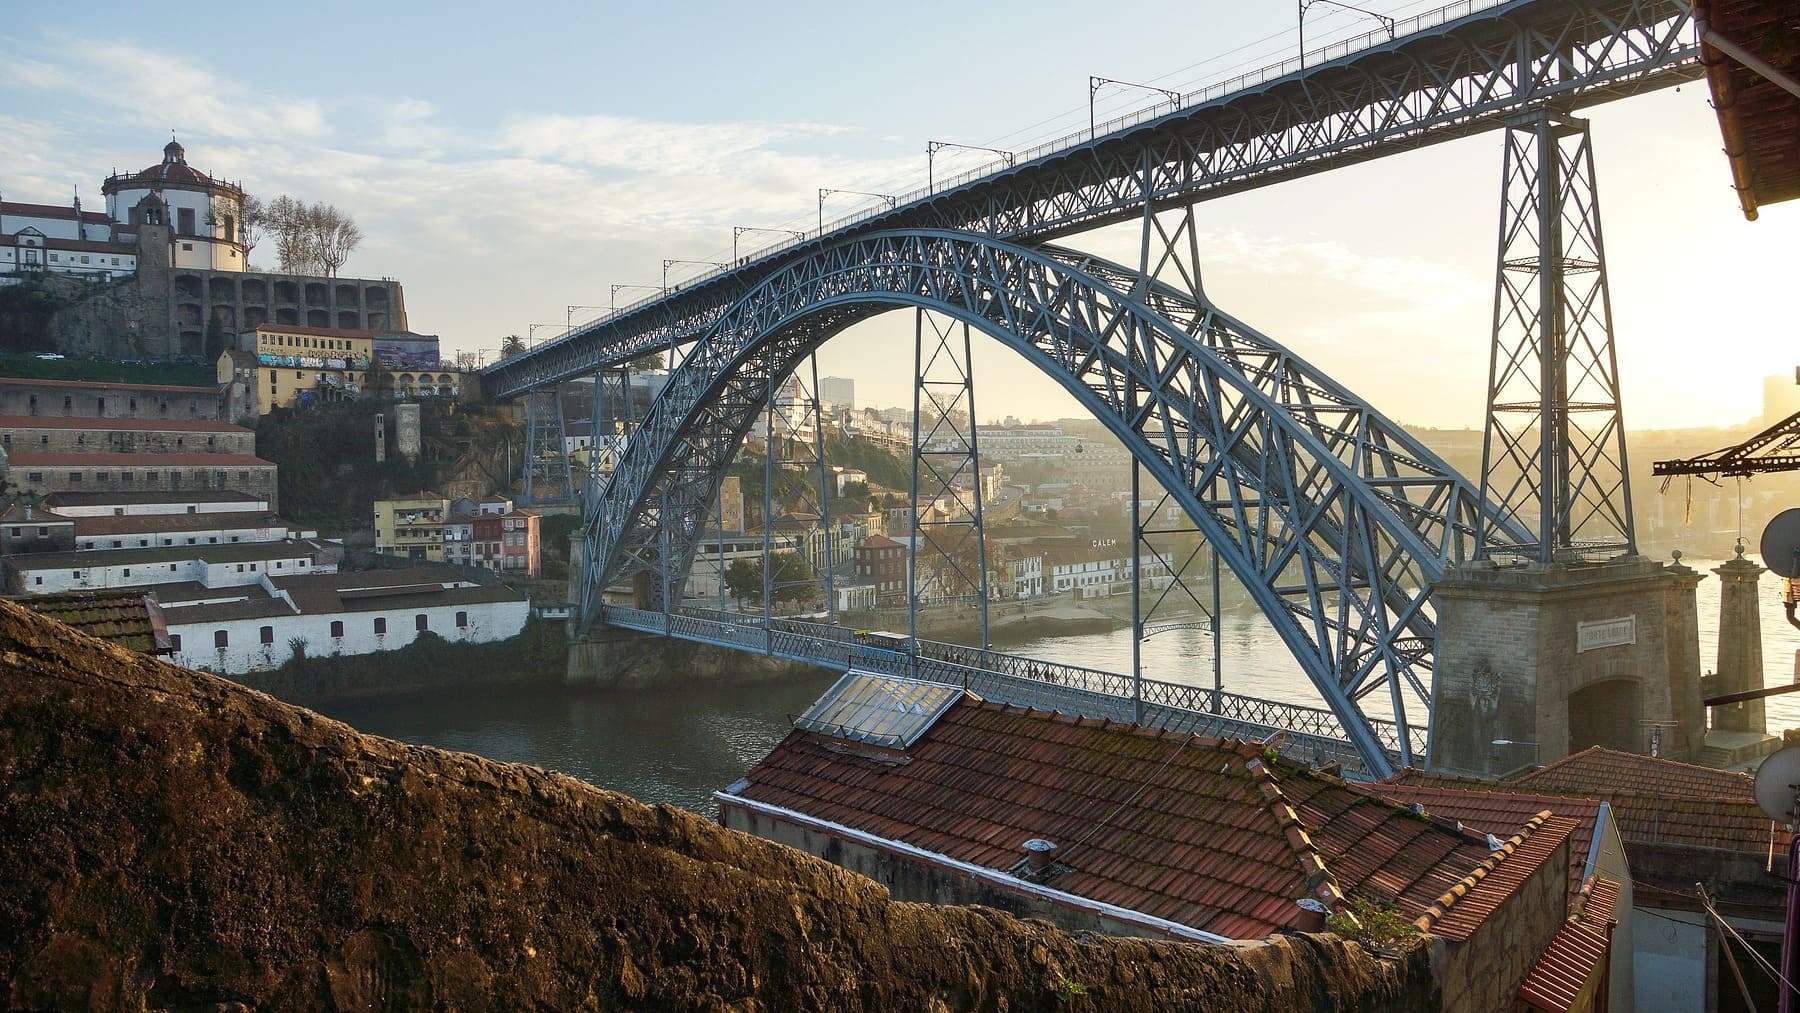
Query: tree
[
  {"x": 511, "y": 345},
  {"x": 335, "y": 236},
  {"x": 654, "y": 360},
  {"x": 794, "y": 577},
  {"x": 744, "y": 579},
  {"x": 253, "y": 220},
  {"x": 310, "y": 238}
]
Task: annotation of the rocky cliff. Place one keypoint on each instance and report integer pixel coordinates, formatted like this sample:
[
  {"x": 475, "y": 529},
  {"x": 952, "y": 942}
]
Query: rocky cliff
[{"x": 171, "y": 840}]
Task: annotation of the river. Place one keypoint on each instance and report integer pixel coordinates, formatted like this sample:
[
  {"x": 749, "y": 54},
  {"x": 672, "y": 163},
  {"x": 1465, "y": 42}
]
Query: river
[{"x": 680, "y": 747}]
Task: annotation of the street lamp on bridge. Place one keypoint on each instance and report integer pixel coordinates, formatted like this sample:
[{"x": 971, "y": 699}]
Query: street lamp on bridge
[
  {"x": 1096, "y": 83},
  {"x": 1304, "y": 4},
  {"x": 613, "y": 296},
  {"x": 738, "y": 230},
  {"x": 825, "y": 192},
  {"x": 569, "y": 317},
  {"x": 933, "y": 147},
  {"x": 701, "y": 263}
]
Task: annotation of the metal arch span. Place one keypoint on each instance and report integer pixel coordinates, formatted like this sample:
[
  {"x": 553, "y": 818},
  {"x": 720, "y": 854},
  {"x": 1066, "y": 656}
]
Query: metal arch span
[{"x": 1336, "y": 521}]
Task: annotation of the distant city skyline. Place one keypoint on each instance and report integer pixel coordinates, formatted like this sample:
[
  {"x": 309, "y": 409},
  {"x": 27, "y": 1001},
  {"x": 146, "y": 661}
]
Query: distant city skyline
[{"x": 510, "y": 178}]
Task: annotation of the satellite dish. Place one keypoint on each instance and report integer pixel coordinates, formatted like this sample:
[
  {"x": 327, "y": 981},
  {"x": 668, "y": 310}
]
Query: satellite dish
[
  {"x": 1781, "y": 543},
  {"x": 1776, "y": 782}
]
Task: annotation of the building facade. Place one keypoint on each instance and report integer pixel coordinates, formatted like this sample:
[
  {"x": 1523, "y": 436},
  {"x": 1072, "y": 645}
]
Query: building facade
[
  {"x": 339, "y": 614},
  {"x": 67, "y": 434},
  {"x": 35, "y": 474},
  {"x": 89, "y": 399},
  {"x": 412, "y": 526}
]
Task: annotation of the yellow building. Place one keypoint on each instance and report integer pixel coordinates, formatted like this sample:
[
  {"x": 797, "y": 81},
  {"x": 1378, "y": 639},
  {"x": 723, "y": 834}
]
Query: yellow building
[
  {"x": 292, "y": 363},
  {"x": 412, "y": 526},
  {"x": 284, "y": 364}
]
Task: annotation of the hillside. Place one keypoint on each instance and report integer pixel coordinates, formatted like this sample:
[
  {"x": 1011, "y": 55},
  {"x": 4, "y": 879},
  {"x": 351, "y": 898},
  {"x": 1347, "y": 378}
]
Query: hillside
[{"x": 173, "y": 840}]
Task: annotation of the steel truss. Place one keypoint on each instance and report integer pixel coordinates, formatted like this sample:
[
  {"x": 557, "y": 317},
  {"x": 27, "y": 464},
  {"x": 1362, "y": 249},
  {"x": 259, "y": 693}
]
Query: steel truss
[
  {"x": 794, "y": 461},
  {"x": 946, "y": 556},
  {"x": 1466, "y": 75},
  {"x": 1553, "y": 454},
  {"x": 548, "y": 476},
  {"x": 1334, "y": 520}
]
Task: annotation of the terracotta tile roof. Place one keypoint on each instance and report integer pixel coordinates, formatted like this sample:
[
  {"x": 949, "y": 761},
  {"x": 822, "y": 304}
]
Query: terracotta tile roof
[
  {"x": 1567, "y": 974},
  {"x": 1459, "y": 911},
  {"x": 1202, "y": 832},
  {"x": 1599, "y": 769},
  {"x": 167, "y": 388},
  {"x": 1649, "y": 818},
  {"x": 1502, "y": 813},
  {"x": 62, "y": 211},
  {"x": 15, "y": 423},
  {"x": 27, "y": 459},
  {"x": 131, "y": 619}
]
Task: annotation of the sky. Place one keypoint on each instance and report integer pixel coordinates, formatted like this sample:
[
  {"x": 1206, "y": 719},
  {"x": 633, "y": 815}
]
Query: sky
[{"x": 507, "y": 163}]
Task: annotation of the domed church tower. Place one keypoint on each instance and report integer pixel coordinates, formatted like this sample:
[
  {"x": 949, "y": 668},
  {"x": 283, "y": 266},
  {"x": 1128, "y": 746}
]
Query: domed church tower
[{"x": 200, "y": 212}]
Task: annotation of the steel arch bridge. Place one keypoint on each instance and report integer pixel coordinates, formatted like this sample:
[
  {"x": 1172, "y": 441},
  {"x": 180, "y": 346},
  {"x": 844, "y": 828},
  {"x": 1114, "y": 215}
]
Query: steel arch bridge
[{"x": 1336, "y": 521}]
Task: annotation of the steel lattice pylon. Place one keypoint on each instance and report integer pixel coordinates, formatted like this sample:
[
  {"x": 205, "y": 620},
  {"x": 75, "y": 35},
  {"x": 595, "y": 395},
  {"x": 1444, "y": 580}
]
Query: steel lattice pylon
[
  {"x": 1553, "y": 456},
  {"x": 946, "y": 558},
  {"x": 547, "y": 477},
  {"x": 1334, "y": 519}
]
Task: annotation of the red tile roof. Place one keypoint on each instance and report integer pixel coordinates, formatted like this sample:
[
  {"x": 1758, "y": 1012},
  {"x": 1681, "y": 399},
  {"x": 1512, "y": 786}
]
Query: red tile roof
[
  {"x": 1649, "y": 818},
  {"x": 61, "y": 211},
  {"x": 1459, "y": 911},
  {"x": 17, "y": 422},
  {"x": 1205, "y": 833},
  {"x": 26, "y": 459},
  {"x": 1567, "y": 974},
  {"x": 1502, "y": 813},
  {"x": 1599, "y": 769}
]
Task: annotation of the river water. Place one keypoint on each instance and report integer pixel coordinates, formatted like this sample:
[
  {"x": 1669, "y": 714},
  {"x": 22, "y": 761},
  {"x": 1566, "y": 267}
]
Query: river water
[{"x": 679, "y": 747}]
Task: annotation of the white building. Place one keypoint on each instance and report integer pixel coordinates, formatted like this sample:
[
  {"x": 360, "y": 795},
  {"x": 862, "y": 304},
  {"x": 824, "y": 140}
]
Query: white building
[
  {"x": 209, "y": 566},
  {"x": 338, "y": 614},
  {"x": 202, "y": 216},
  {"x": 132, "y": 504},
  {"x": 202, "y": 212}
]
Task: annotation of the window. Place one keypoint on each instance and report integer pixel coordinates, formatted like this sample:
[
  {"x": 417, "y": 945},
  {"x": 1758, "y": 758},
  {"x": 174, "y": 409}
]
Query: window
[
  {"x": 380, "y": 625},
  {"x": 421, "y": 622},
  {"x": 128, "y": 571},
  {"x": 462, "y": 620},
  {"x": 221, "y": 639},
  {"x": 337, "y": 627},
  {"x": 74, "y": 476},
  {"x": 35, "y": 476},
  {"x": 118, "y": 544},
  {"x": 267, "y": 634},
  {"x": 175, "y": 642}
]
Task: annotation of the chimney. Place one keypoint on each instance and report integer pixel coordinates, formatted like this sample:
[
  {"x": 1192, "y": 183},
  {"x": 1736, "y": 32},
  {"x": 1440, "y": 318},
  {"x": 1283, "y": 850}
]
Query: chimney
[{"x": 1038, "y": 858}]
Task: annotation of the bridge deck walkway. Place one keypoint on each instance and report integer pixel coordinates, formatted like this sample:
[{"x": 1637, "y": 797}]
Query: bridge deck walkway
[{"x": 1313, "y": 734}]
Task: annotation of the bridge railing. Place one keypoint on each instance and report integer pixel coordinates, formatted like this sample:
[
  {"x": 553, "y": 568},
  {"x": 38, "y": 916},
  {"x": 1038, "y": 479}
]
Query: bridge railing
[
  {"x": 1026, "y": 681},
  {"x": 1201, "y": 96}
]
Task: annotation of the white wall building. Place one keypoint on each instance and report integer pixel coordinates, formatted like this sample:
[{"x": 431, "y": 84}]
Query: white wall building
[
  {"x": 129, "y": 504},
  {"x": 208, "y": 565},
  {"x": 339, "y": 614},
  {"x": 201, "y": 212}
]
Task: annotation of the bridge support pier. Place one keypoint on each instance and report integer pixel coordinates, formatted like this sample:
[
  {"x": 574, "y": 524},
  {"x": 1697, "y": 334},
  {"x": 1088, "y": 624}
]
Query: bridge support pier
[
  {"x": 1537, "y": 662},
  {"x": 547, "y": 475}
]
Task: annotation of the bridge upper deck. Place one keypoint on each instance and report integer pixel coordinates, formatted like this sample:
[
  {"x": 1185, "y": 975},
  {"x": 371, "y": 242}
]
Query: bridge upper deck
[{"x": 1457, "y": 71}]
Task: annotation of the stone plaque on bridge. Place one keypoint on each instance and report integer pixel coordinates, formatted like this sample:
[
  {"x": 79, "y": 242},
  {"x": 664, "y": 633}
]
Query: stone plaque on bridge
[{"x": 1605, "y": 633}]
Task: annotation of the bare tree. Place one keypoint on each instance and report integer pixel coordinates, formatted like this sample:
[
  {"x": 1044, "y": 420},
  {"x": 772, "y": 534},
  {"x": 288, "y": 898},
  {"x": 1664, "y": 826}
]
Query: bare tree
[
  {"x": 335, "y": 236},
  {"x": 253, "y": 220},
  {"x": 289, "y": 221}
]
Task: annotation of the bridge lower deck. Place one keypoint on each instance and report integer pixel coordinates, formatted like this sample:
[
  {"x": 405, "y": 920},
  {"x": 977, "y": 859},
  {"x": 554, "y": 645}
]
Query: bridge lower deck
[{"x": 1312, "y": 735}]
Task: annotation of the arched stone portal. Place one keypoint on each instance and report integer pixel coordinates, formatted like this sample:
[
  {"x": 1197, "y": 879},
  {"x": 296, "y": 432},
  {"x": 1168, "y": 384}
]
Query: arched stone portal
[{"x": 1607, "y": 714}]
